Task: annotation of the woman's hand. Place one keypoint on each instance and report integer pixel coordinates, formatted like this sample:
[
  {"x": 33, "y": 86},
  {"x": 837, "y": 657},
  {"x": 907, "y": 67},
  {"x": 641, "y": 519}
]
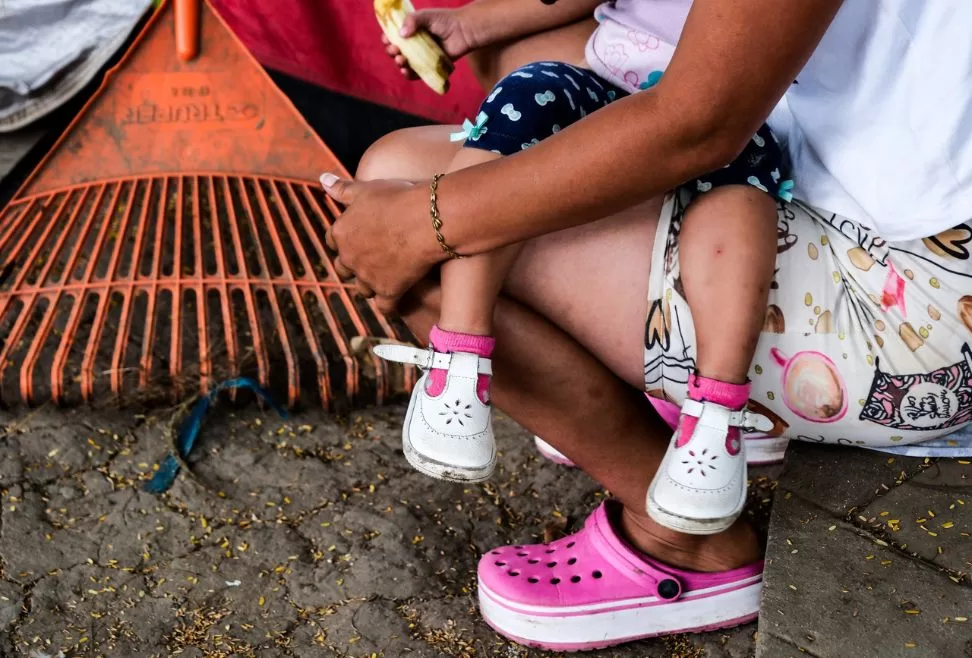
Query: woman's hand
[
  {"x": 445, "y": 25},
  {"x": 384, "y": 238}
]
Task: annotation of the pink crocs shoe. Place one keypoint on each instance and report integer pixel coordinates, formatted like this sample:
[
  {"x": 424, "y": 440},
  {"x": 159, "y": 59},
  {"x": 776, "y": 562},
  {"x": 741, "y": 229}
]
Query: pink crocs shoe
[{"x": 591, "y": 590}]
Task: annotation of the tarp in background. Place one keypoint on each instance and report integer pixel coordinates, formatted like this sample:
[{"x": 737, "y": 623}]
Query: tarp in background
[
  {"x": 337, "y": 44},
  {"x": 50, "y": 49}
]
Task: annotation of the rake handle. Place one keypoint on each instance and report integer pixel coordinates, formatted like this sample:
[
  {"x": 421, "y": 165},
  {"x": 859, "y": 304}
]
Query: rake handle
[{"x": 187, "y": 28}]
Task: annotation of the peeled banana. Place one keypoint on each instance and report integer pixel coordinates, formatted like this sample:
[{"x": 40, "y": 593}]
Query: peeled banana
[{"x": 424, "y": 55}]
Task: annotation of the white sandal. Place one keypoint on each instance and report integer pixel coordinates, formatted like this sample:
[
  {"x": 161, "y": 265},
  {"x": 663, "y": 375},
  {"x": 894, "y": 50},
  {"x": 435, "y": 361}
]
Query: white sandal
[
  {"x": 448, "y": 436},
  {"x": 700, "y": 487}
]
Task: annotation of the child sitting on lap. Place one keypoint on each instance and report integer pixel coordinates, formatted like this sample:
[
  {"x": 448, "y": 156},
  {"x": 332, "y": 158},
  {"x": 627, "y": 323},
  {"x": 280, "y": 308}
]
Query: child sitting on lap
[{"x": 701, "y": 485}]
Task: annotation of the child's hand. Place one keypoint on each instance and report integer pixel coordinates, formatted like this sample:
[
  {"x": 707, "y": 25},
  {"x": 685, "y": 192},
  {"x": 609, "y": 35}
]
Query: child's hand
[{"x": 445, "y": 25}]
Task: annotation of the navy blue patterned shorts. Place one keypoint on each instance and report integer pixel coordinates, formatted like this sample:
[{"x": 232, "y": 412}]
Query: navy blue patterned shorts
[{"x": 541, "y": 99}]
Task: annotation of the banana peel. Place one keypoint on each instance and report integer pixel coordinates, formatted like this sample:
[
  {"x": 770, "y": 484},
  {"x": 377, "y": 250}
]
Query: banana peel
[{"x": 424, "y": 55}]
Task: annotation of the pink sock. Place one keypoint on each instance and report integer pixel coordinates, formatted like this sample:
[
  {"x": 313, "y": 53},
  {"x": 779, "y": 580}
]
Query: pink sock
[
  {"x": 447, "y": 342},
  {"x": 703, "y": 389}
]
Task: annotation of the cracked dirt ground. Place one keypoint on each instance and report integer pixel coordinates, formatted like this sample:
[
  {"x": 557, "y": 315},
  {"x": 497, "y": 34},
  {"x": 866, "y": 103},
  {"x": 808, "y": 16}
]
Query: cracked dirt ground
[{"x": 302, "y": 537}]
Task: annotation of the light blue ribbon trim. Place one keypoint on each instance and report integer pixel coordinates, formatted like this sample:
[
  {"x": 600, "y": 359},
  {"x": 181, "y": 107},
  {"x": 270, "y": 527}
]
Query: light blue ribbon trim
[{"x": 471, "y": 130}]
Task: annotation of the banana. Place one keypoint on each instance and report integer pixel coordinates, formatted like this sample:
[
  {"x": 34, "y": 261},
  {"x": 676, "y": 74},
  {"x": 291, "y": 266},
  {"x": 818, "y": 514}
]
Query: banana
[{"x": 424, "y": 55}]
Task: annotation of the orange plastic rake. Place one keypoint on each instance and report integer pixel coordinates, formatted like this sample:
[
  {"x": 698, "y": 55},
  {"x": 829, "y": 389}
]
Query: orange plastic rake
[{"x": 174, "y": 236}]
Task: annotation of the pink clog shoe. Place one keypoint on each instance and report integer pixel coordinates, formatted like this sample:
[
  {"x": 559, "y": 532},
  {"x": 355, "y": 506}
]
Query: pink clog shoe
[{"x": 591, "y": 590}]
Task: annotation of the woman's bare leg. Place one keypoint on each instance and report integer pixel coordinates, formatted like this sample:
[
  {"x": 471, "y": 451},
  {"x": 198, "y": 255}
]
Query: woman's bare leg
[{"x": 559, "y": 386}]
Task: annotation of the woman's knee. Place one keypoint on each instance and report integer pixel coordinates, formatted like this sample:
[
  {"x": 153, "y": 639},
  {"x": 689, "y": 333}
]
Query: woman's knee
[{"x": 408, "y": 154}]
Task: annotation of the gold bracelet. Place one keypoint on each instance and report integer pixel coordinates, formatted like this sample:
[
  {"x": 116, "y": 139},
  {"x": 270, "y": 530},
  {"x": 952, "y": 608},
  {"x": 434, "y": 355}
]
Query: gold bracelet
[{"x": 437, "y": 221}]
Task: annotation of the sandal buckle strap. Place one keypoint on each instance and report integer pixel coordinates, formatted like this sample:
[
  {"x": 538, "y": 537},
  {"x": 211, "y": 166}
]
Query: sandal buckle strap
[
  {"x": 427, "y": 359},
  {"x": 743, "y": 418}
]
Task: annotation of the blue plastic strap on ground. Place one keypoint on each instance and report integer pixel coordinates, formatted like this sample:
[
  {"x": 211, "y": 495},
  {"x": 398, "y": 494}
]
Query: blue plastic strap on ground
[{"x": 189, "y": 430}]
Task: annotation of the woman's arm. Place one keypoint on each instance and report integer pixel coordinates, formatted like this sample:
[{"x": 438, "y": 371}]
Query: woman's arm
[
  {"x": 734, "y": 61},
  {"x": 494, "y": 21}
]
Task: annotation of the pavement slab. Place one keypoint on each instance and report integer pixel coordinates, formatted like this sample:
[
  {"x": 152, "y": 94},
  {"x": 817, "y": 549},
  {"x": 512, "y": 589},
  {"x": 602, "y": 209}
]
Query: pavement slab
[{"x": 855, "y": 570}]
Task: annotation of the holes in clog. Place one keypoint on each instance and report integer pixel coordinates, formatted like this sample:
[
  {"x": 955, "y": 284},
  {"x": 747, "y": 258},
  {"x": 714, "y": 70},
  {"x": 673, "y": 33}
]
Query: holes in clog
[
  {"x": 669, "y": 589},
  {"x": 513, "y": 572},
  {"x": 575, "y": 579},
  {"x": 533, "y": 580},
  {"x": 497, "y": 553},
  {"x": 522, "y": 554},
  {"x": 595, "y": 575},
  {"x": 551, "y": 565},
  {"x": 555, "y": 581},
  {"x": 550, "y": 550},
  {"x": 572, "y": 561},
  {"x": 518, "y": 547},
  {"x": 533, "y": 560},
  {"x": 500, "y": 563},
  {"x": 570, "y": 545}
]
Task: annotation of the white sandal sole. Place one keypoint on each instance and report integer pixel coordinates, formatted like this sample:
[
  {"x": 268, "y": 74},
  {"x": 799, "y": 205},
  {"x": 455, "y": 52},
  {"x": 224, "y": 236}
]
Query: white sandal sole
[{"x": 688, "y": 525}]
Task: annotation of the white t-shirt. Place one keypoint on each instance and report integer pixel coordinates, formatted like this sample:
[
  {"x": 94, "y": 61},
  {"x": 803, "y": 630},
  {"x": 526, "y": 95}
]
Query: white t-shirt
[{"x": 879, "y": 122}]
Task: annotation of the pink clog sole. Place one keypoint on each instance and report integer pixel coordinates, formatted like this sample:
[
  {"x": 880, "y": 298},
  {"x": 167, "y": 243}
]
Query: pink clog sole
[{"x": 591, "y": 590}]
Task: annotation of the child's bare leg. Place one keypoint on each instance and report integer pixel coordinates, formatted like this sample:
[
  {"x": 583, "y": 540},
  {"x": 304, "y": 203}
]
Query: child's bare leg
[
  {"x": 448, "y": 428},
  {"x": 417, "y": 153},
  {"x": 470, "y": 286},
  {"x": 411, "y": 154},
  {"x": 727, "y": 251}
]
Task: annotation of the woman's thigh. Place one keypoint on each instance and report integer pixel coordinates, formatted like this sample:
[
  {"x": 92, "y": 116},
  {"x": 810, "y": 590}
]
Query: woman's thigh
[{"x": 592, "y": 282}]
